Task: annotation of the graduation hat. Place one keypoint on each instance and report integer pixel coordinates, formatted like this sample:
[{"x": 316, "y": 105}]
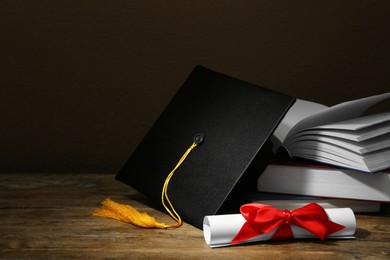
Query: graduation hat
[{"x": 230, "y": 121}]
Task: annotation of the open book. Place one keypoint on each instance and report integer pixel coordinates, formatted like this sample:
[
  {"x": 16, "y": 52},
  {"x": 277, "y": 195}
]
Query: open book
[{"x": 337, "y": 135}]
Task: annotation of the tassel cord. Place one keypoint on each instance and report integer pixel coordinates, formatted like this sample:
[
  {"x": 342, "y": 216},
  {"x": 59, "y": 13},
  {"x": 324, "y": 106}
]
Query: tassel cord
[
  {"x": 128, "y": 214},
  {"x": 164, "y": 194}
]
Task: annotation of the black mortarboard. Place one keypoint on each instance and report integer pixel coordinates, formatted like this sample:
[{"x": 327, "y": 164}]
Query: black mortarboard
[{"x": 236, "y": 119}]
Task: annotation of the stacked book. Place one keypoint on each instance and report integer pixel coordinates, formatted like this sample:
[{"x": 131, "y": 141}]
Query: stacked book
[{"x": 335, "y": 156}]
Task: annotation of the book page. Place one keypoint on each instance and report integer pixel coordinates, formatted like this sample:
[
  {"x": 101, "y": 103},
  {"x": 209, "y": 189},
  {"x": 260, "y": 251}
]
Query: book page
[
  {"x": 367, "y": 146},
  {"x": 339, "y": 156},
  {"x": 300, "y": 110},
  {"x": 353, "y": 135},
  {"x": 359, "y": 122},
  {"x": 340, "y": 112},
  {"x": 353, "y": 132}
]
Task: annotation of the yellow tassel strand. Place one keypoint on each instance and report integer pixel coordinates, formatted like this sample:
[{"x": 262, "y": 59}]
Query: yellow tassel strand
[
  {"x": 128, "y": 214},
  {"x": 164, "y": 193}
]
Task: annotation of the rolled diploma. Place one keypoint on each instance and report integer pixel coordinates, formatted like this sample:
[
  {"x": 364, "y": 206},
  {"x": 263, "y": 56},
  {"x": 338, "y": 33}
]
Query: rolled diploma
[{"x": 219, "y": 230}]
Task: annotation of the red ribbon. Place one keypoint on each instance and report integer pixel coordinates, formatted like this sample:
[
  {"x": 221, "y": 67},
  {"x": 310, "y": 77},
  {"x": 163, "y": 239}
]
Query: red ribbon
[{"x": 262, "y": 219}]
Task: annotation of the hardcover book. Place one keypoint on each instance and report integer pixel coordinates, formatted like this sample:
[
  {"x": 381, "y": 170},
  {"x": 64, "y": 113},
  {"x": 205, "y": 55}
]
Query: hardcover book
[
  {"x": 305, "y": 178},
  {"x": 291, "y": 202}
]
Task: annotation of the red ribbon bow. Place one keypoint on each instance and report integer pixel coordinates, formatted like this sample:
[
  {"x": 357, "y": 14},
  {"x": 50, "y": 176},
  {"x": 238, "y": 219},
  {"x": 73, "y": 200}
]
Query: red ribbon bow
[{"x": 262, "y": 219}]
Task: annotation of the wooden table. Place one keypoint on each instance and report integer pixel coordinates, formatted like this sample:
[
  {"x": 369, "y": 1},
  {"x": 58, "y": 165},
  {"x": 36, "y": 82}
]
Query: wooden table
[{"x": 49, "y": 216}]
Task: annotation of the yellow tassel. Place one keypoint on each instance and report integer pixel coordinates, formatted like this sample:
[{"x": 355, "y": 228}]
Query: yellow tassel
[{"x": 128, "y": 214}]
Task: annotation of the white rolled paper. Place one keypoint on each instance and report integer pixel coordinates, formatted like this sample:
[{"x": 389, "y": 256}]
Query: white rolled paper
[{"x": 219, "y": 230}]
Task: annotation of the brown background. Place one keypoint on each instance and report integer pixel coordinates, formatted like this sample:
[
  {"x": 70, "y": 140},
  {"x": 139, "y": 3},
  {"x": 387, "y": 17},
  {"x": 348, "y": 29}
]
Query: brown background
[{"x": 82, "y": 81}]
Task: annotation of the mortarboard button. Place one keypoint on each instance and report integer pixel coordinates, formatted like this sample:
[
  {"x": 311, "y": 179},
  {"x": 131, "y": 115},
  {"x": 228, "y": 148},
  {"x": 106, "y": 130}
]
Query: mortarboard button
[{"x": 198, "y": 139}]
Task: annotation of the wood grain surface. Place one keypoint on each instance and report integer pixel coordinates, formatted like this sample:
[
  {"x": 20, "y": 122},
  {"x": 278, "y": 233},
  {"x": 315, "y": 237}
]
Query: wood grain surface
[{"x": 49, "y": 216}]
